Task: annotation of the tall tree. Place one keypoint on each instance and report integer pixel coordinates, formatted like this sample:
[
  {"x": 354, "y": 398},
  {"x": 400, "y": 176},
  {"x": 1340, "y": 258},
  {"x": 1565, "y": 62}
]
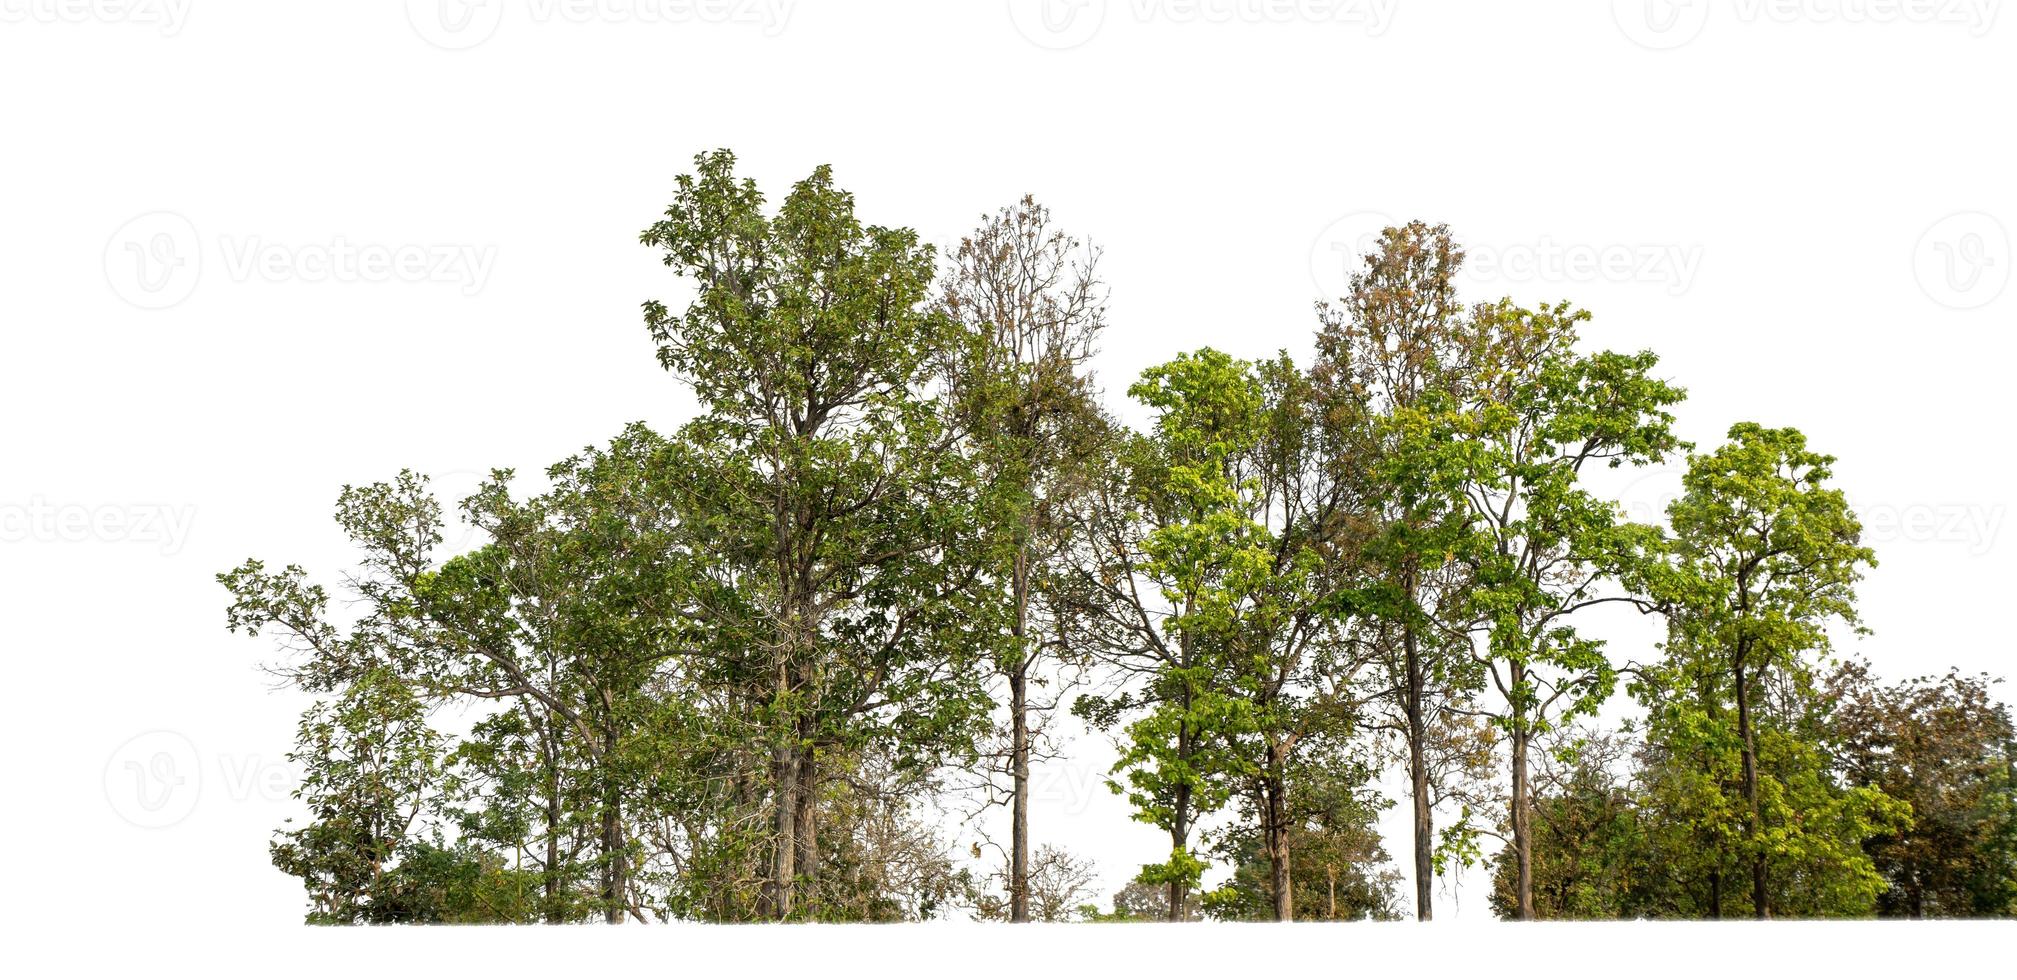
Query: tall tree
[
  {"x": 1394, "y": 348},
  {"x": 827, "y": 486},
  {"x": 558, "y": 617},
  {"x": 1219, "y": 573},
  {"x": 1766, "y": 557},
  {"x": 1027, "y": 299},
  {"x": 1161, "y": 539},
  {"x": 1541, "y": 546}
]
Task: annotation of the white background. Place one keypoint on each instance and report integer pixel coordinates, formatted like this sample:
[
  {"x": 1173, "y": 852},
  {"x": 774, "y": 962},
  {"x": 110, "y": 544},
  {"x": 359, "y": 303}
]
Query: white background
[{"x": 251, "y": 252}]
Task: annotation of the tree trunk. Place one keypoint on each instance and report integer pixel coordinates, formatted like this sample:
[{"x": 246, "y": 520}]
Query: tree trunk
[
  {"x": 1522, "y": 812},
  {"x": 615, "y": 879},
  {"x": 1180, "y": 837},
  {"x": 550, "y": 881},
  {"x": 1418, "y": 773},
  {"x": 1019, "y": 821},
  {"x": 1275, "y": 816},
  {"x": 806, "y": 825},
  {"x": 1759, "y": 899},
  {"x": 784, "y": 854},
  {"x": 1019, "y": 752}
]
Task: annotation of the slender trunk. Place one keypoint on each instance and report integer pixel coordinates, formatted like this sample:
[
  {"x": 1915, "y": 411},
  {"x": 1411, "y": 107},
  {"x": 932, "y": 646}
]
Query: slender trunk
[
  {"x": 1019, "y": 822},
  {"x": 1759, "y": 904},
  {"x": 615, "y": 877},
  {"x": 1418, "y": 773},
  {"x": 1275, "y": 815},
  {"x": 1019, "y": 752},
  {"x": 1331, "y": 896},
  {"x": 1710, "y": 704},
  {"x": 551, "y": 879},
  {"x": 1180, "y": 821},
  {"x": 784, "y": 854},
  {"x": 1522, "y": 813},
  {"x": 806, "y": 826},
  {"x": 1180, "y": 835}
]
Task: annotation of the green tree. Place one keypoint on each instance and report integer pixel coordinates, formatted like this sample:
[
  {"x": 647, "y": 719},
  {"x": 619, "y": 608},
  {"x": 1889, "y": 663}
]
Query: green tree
[
  {"x": 561, "y": 616},
  {"x": 1394, "y": 348},
  {"x": 370, "y": 762},
  {"x": 1215, "y": 574},
  {"x": 1541, "y": 546},
  {"x": 1765, "y": 558},
  {"x": 1944, "y": 747},
  {"x": 1339, "y": 865},
  {"x": 1026, "y": 300},
  {"x": 825, "y": 489}
]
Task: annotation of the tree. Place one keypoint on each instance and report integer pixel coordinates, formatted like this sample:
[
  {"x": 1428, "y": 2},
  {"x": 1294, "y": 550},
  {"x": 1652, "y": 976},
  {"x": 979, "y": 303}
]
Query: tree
[
  {"x": 1026, "y": 299},
  {"x": 825, "y": 487},
  {"x": 1765, "y": 557},
  {"x": 1141, "y": 900},
  {"x": 1396, "y": 348},
  {"x": 559, "y": 617},
  {"x": 1540, "y": 546},
  {"x": 1340, "y": 867},
  {"x": 1218, "y": 573},
  {"x": 1059, "y": 884},
  {"x": 1159, "y": 540},
  {"x": 369, "y": 762},
  {"x": 1944, "y": 747}
]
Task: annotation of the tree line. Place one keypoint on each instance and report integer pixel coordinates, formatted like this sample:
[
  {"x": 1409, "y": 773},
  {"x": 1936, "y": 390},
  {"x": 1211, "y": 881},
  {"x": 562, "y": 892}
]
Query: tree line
[{"x": 722, "y": 674}]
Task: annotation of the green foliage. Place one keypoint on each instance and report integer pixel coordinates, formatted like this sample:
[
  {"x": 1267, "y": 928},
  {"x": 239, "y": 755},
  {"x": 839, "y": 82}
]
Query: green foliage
[
  {"x": 1943, "y": 747},
  {"x": 725, "y": 674},
  {"x": 1339, "y": 869}
]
